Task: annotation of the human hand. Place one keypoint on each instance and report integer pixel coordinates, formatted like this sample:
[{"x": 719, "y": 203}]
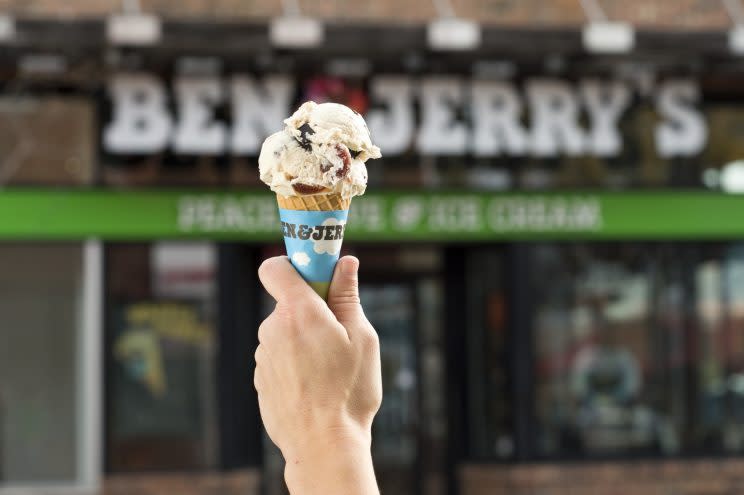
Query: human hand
[{"x": 318, "y": 379}]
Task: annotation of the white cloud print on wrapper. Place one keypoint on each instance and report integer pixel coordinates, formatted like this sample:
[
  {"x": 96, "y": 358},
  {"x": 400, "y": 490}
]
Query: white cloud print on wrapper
[
  {"x": 301, "y": 258},
  {"x": 330, "y": 247}
]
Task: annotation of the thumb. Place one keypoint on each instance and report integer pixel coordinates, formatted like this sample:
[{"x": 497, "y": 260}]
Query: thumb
[{"x": 343, "y": 294}]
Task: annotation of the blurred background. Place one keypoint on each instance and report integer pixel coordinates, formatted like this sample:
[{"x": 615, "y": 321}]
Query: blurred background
[{"x": 551, "y": 246}]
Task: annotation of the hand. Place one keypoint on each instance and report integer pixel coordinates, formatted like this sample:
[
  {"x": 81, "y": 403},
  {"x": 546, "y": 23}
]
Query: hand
[{"x": 318, "y": 380}]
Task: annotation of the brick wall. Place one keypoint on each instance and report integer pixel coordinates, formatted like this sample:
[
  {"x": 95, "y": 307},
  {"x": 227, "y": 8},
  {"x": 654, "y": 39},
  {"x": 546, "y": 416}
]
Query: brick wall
[
  {"x": 684, "y": 14},
  {"x": 724, "y": 477},
  {"x": 235, "y": 483}
]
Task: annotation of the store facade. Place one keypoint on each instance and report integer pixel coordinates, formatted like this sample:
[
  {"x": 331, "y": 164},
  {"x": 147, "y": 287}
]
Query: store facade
[{"x": 548, "y": 254}]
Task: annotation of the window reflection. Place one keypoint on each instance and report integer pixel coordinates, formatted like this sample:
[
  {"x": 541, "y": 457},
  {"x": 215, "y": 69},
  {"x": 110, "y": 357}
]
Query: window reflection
[
  {"x": 391, "y": 310},
  {"x": 720, "y": 372},
  {"x": 608, "y": 354},
  {"x": 161, "y": 356}
]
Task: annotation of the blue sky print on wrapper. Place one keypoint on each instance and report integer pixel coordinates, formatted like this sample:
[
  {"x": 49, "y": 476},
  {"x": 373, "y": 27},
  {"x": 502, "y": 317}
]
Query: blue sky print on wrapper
[{"x": 313, "y": 240}]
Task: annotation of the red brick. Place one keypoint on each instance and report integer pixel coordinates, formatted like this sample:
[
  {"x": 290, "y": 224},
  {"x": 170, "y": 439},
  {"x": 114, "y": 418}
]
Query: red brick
[
  {"x": 236, "y": 483},
  {"x": 681, "y": 14},
  {"x": 699, "y": 477}
]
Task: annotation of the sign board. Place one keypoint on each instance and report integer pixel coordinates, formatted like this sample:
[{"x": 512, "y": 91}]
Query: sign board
[
  {"x": 541, "y": 117},
  {"x": 391, "y": 216}
]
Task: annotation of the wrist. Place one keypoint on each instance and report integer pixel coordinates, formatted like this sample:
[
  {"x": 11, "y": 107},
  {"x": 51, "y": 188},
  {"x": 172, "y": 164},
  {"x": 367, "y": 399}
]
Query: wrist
[
  {"x": 318, "y": 440},
  {"x": 338, "y": 456}
]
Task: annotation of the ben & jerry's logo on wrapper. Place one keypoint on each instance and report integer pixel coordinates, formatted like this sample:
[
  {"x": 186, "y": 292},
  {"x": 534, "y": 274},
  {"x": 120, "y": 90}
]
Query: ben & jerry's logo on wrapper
[
  {"x": 313, "y": 240},
  {"x": 317, "y": 232}
]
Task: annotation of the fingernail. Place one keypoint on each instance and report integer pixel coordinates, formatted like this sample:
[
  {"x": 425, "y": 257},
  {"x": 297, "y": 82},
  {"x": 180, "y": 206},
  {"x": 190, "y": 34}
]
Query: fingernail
[{"x": 349, "y": 265}]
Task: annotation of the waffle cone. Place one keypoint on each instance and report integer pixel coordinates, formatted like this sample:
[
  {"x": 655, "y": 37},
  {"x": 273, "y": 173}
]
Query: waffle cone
[{"x": 314, "y": 202}]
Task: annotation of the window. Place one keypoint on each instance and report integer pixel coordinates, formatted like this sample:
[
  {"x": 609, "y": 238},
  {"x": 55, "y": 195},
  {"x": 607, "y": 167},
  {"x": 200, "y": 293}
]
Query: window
[
  {"x": 719, "y": 408},
  {"x": 632, "y": 349},
  {"x": 160, "y": 349},
  {"x": 610, "y": 361},
  {"x": 391, "y": 310},
  {"x": 40, "y": 297}
]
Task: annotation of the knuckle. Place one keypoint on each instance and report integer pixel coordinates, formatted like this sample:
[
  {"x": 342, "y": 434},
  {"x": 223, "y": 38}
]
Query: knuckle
[
  {"x": 371, "y": 346},
  {"x": 256, "y": 380},
  {"x": 267, "y": 266},
  {"x": 305, "y": 307},
  {"x": 370, "y": 338},
  {"x": 286, "y": 320},
  {"x": 262, "y": 330},
  {"x": 348, "y": 295},
  {"x": 263, "y": 270},
  {"x": 308, "y": 310}
]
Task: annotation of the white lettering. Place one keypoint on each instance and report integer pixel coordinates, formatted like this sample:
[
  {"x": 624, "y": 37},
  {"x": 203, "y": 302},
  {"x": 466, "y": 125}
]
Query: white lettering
[
  {"x": 555, "y": 118},
  {"x": 197, "y": 132},
  {"x": 496, "y": 112},
  {"x": 392, "y": 128},
  {"x": 258, "y": 110},
  {"x": 605, "y": 104},
  {"x": 455, "y": 214},
  {"x": 683, "y": 132},
  {"x": 499, "y": 124},
  {"x": 441, "y": 133},
  {"x": 141, "y": 123},
  {"x": 548, "y": 213}
]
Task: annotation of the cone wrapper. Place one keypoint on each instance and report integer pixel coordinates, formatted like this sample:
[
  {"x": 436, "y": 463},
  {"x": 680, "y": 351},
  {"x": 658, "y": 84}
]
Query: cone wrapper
[{"x": 313, "y": 240}]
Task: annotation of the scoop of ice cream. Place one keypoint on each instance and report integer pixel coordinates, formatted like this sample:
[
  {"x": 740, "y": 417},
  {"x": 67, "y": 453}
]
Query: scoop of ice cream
[{"x": 321, "y": 150}]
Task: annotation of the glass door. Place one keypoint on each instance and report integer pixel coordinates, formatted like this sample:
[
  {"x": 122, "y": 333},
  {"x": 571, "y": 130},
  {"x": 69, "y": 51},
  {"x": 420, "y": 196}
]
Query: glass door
[{"x": 390, "y": 307}]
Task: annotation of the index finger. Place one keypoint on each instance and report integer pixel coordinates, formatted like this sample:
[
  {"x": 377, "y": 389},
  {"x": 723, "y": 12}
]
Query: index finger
[{"x": 282, "y": 282}]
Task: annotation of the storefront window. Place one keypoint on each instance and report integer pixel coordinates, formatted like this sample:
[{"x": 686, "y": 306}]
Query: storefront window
[
  {"x": 719, "y": 282},
  {"x": 40, "y": 297},
  {"x": 610, "y": 360},
  {"x": 161, "y": 351},
  {"x": 390, "y": 308}
]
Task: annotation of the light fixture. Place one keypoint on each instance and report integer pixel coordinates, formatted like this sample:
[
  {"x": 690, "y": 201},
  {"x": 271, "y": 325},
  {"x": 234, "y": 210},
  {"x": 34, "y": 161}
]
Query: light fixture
[
  {"x": 296, "y": 32},
  {"x": 736, "y": 34},
  {"x": 293, "y": 30},
  {"x": 7, "y": 28},
  {"x": 603, "y": 36},
  {"x": 736, "y": 40},
  {"x": 731, "y": 178},
  {"x": 608, "y": 37},
  {"x": 451, "y": 33},
  {"x": 133, "y": 27}
]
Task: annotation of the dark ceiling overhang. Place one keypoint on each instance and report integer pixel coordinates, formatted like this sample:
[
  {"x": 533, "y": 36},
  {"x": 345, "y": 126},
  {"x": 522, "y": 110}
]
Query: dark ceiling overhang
[{"x": 386, "y": 48}]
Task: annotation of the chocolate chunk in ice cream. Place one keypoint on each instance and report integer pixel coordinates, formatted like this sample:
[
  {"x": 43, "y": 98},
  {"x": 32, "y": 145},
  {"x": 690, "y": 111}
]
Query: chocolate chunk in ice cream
[{"x": 305, "y": 131}]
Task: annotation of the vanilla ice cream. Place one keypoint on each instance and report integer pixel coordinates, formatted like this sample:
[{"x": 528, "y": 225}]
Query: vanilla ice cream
[{"x": 321, "y": 150}]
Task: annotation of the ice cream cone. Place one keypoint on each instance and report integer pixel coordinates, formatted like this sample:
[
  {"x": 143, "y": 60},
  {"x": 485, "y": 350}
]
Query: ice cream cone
[
  {"x": 313, "y": 228},
  {"x": 315, "y": 202},
  {"x": 315, "y": 165}
]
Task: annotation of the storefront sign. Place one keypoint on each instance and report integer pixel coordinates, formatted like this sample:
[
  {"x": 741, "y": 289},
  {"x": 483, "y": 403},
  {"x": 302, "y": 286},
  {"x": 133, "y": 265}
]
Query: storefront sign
[
  {"x": 543, "y": 117},
  {"x": 391, "y": 216}
]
